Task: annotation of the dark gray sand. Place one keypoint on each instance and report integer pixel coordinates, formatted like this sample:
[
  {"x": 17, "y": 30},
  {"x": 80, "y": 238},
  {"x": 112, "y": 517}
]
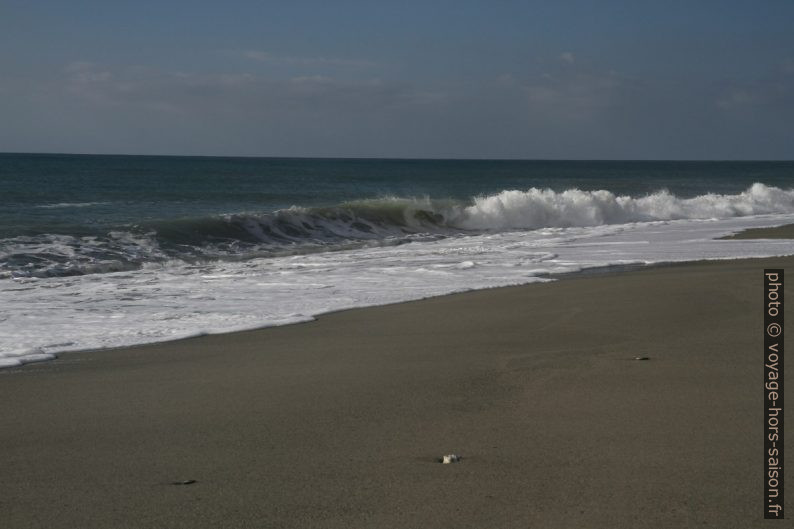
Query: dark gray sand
[
  {"x": 338, "y": 423},
  {"x": 779, "y": 232}
]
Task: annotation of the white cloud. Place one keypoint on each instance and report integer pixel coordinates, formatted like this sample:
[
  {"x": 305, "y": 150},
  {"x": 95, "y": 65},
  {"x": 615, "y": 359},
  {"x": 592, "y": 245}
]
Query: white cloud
[
  {"x": 574, "y": 95},
  {"x": 240, "y": 95},
  {"x": 86, "y": 72},
  {"x": 268, "y": 57},
  {"x": 568, "y": 57},
  {"x": 737, "y": 97}
]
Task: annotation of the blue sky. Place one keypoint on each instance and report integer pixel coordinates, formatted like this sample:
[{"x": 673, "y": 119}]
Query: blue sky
[{"x": 499, "y": 79}]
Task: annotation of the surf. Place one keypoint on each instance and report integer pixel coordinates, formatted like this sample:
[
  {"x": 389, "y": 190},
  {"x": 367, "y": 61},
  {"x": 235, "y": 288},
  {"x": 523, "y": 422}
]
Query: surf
[{"x": 373, "y": 222}]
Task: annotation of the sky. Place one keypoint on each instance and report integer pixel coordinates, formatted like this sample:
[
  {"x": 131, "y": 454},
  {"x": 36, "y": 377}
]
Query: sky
[{"x": 558, "y": 79}]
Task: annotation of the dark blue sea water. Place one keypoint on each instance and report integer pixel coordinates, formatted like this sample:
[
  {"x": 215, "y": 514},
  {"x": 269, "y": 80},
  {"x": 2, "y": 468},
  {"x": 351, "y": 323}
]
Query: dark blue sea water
[{"x": 75, "y": 214}]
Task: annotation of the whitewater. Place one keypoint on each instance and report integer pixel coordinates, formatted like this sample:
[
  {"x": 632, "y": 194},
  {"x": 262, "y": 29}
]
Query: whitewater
[{"x": 142, "y": 284}]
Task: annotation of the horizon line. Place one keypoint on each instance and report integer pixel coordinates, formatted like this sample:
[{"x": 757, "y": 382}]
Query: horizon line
[{"x": 397, "y": 158}]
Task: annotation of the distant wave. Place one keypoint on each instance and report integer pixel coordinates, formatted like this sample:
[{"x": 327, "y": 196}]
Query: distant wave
[
  {"x": 382, "y": 221},
  {"x": 72, "y": 205}
]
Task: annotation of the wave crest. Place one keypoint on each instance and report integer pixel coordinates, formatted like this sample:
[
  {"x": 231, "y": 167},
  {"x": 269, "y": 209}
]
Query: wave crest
[{"x": 545, "y": 208}]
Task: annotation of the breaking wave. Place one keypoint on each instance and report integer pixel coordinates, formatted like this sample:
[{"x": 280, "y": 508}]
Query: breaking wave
[
  {"x": 540, "y": 208},
  {"x": 375, "y": 222}
]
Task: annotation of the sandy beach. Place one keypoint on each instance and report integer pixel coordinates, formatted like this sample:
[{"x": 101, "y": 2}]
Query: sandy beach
[
  {"x": 368, "y": 265},
  {"x": 338, "y": 423}
]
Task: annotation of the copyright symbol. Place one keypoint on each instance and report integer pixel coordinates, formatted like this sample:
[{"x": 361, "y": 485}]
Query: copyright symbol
[{"x": 773, "y": 329}]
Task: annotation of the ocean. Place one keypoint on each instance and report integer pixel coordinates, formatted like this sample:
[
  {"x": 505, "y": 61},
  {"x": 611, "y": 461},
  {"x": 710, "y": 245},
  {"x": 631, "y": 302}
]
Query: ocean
[{"x": 108, "y": 251}]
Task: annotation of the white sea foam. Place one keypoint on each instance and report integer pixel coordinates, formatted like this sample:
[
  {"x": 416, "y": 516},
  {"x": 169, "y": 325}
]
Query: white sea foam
[
  {"x": 72, "y": 205},
  {"x": 173, "y": 299},
  {"x": 15, "y": 358},
  {"x": 542, "y": 208}
]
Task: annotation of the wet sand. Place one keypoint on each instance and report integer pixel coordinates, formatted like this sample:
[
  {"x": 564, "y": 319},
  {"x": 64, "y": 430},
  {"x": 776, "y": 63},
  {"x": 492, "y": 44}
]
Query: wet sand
[
  {"x": 338, "y": 423},
  {"x": 778, "y": 232}
]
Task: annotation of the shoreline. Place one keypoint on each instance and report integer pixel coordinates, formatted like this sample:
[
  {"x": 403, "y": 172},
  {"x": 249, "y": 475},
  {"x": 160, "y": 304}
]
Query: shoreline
[
  {"x": 244, "y": 296},
  {"x": 563, "y": 276},
  {"x": 595, "y": 271},
  {"x": 339, "y": 423}
]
